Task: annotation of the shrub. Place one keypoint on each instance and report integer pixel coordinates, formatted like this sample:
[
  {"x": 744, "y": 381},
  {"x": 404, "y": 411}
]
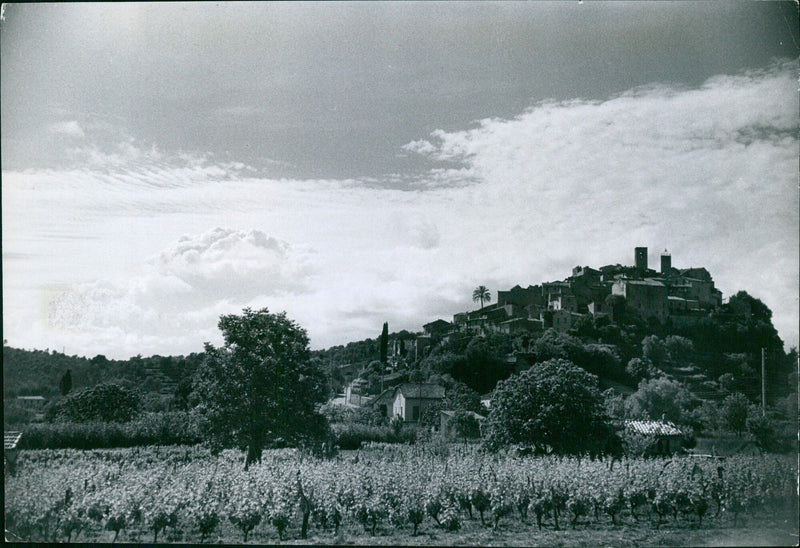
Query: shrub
[
  {"x": 767, "y": 434},
  {"x": 735, "y": 409},
  {"x": 351, "y": 435},
  {"x": 104, "y": 402},
  {"x": 149, "y": 429}
]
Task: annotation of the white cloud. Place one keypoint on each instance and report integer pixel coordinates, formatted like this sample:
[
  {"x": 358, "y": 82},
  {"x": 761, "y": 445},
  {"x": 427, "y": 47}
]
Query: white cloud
[
  {"x": 181, "y": 291},
  {"x": 710, "y": 173},
  {"x": 71, "y": 128}
]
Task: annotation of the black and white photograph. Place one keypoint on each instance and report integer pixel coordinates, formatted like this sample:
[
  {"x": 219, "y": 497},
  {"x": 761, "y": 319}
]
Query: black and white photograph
[{"x": 446, "y": 273}]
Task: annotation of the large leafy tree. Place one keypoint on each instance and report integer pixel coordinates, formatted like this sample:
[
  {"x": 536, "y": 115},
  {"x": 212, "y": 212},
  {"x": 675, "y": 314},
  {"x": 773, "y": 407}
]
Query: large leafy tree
[
  {"x": 660, "y": 398},
  {"x": 554, "y": 403},
  {"x": 481, "y": 293},
  {"x": 261, "y": 385}
]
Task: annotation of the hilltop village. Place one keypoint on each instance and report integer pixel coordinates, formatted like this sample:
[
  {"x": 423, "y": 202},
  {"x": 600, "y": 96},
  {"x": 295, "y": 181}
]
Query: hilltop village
[
  {"x": 679, "y": 296},
  {"x": 613, "y": 294}
]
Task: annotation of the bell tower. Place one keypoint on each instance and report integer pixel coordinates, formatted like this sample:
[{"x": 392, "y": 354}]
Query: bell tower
[
  {"x": 641, "y": 259},
  {"x": 666, "y": 262}
]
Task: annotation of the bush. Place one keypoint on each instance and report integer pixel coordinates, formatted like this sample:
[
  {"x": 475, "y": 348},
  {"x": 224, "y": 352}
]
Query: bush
[
  {"x": 734, "y": 411},
  {"x": 767, "y": 435},
  {"x": 352, "y": 435},
  {"x": 361, "y": 415},
  {"x": 104, "y": 402},
  {"x": 149, "y": 429},
  {"x": 15, "y": 413}
]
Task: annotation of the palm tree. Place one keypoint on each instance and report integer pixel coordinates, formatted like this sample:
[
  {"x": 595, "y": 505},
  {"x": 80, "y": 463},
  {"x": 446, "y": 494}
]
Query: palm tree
[{"x": 481, "y": 294}]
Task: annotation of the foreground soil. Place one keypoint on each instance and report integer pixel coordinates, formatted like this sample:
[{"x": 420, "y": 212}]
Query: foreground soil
[
  {"x": 754, "y": 532},
  {"x": 779, "y": 529}
]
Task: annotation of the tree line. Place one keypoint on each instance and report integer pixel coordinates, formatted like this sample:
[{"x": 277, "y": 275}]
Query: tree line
[{"x": 264, "y": 386}]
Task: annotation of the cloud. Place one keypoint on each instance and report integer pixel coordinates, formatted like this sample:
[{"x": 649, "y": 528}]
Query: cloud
[
  {"x": 183, "y": 289},
  {"x": 235, "y": 263},
  {"x": 708, "y": 172},
  {"x": 71, "y": 128}
]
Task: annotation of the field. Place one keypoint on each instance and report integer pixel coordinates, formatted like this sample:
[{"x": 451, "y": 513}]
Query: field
[{"x": 413, "y": 495}]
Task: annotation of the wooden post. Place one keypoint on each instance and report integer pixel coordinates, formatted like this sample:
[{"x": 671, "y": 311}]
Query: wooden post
[{"x": 763, "y": 386}]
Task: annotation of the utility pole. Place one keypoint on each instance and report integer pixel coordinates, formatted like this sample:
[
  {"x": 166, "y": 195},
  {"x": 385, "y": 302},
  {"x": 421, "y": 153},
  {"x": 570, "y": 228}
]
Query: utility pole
[{"x": 763, "y": 385}]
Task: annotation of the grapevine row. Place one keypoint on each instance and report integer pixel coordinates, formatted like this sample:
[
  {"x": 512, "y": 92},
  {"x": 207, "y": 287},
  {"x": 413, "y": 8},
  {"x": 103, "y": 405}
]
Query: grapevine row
[{"x": 61, "y": 495}]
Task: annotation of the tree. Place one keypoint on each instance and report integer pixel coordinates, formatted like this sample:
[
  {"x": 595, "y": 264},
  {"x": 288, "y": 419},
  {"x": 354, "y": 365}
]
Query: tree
[
  {"x": 757, "y": 308},
  {"x": 65, "y": 384},
  {"x": 261, "y": 385},
  {"x": 554, "y": 403},
  {"x": 614, "y": 404},
  {"x": 180, "y": 398},
  {"x": 680, "y": 349},
  {"x": 654, "y": 350},
  {"x": 706, "y": 417},
  {"x": 481, "y": 293},
  {"x": 461, "y": 397},
  {"x": 384, "y": 344},
  {"x": 482, "y": 365},
  {"x": 660, "y": 397},
  {"x": 763, "y": 431},
  {"x": 640, "y": 368},
  {"x": 465, "y": 425},
  {"x": 735, "y": 408}
]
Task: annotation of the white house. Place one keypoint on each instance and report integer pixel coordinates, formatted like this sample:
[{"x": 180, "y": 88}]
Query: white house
[{"x": 411, "y": 399}]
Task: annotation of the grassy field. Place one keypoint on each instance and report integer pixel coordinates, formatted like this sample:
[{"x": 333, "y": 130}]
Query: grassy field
[{"x": 374, "y": 497}]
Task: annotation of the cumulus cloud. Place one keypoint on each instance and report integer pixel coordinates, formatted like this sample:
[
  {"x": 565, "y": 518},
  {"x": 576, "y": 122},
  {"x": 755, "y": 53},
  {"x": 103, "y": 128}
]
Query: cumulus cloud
[
  {"x": 236, "y": 263},
  {"x": 183, "y": 289},
  {"x": 71, "y": 128},
  {"x": 708, "y": 172}
]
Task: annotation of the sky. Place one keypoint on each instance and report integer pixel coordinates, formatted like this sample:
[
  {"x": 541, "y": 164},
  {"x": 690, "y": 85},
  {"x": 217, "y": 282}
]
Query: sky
[{"x": 359, "y": 163}]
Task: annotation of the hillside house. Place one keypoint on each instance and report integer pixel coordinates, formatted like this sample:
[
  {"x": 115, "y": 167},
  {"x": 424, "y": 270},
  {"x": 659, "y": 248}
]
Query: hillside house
[
  {"x": 447, "y": 428},
  {"x": 516, "y": 326},
  {"x": 384, "y": 402},
  {"x": 667, "y": 437},
  {"x": 647, "y": 298},
  {"x": 561, "y": 320},
  {"x": 33, "y": 403},
  {"x": 411, "y": 400},
  {"x": 10, "y": 449},
  {"x": 355, "y": 393},
  {"x": 531, "y": 296},
  {"x": 437, "y": 328}
]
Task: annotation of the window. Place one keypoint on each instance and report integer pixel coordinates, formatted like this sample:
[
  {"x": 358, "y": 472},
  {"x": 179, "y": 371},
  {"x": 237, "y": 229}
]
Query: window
[{"x": 415, "y": 413}]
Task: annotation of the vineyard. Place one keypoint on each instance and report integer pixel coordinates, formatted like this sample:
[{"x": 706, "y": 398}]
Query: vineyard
[{"x": 181, "y": 494}]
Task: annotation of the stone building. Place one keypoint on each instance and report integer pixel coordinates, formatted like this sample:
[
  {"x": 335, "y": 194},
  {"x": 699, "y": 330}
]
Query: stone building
[{"x": 647, "y": 298}]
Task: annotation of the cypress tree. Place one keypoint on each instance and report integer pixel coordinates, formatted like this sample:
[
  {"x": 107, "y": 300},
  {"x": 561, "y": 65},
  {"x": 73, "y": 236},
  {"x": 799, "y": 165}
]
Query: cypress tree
[{"x": 385, "y": 343}]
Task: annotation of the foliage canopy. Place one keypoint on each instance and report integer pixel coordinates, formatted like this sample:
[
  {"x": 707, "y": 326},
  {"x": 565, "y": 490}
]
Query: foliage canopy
[
  {"x": 261, "y": 385},
  {"x": 554, "y": 403},
  {"x": 104, "y": 402}
]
